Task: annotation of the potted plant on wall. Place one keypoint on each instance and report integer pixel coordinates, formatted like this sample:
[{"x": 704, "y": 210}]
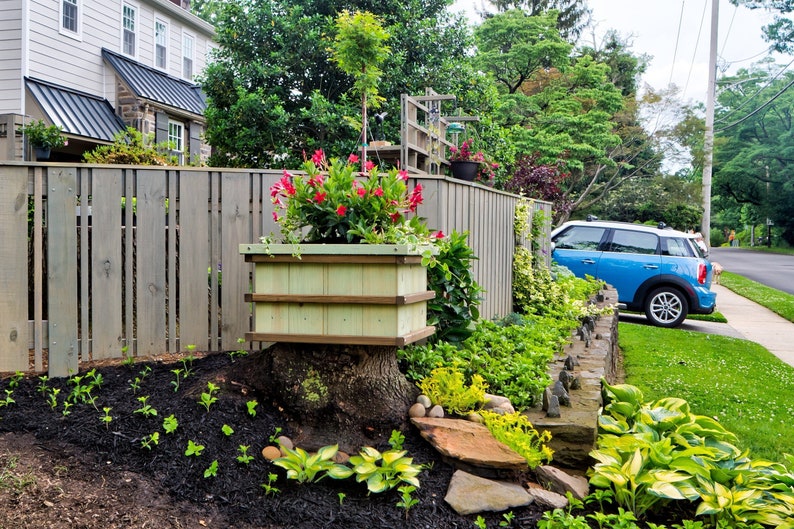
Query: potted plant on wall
[
  {"x": 43, "y": 138},
  {"x": 468, "y": 164}
]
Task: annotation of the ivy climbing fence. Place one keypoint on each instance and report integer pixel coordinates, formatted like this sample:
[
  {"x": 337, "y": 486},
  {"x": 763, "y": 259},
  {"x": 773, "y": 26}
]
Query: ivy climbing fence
[{"x": 101, "y": 262}]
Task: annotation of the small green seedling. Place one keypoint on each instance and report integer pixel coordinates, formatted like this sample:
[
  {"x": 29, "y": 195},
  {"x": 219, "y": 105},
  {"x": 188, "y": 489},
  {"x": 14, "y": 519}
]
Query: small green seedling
[
  {"x": 208, "y": 397},
  {"x": 106, "y": 417},
  {"x": 406, "y": 498},
  {"x": 342, "y": 497},
  {"x": 170, "y": 424},
  {"x": 244, "y": 457},
  {"x": 251, "y": 405},
  {"x": 227, "y": 430},
  {"x": 66, "y": 406},
  {"x": 480, "y": 522},
  {"x": 53, "y": 396},
  {"x": 239, "y": 352},
  {"x": 150, "y": 440},
  {"x": 8, "y": 400},
  {"x": 13, "y": 382},
  {"x": 274, "y": 438},
  {"x": 177, "y": 373},
  {"x": 146, "y": 410},
  {"x": 211, "y": 470},
  {"x": 193, "y": 449},
  {"x": 507, "y": 519},
  {"x": 42, "y": 386},
  {"x": 269, "y": 487}
]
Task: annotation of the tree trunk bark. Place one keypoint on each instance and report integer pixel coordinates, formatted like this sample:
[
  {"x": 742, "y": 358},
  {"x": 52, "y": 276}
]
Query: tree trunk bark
[{"x": 336, "y": 394}]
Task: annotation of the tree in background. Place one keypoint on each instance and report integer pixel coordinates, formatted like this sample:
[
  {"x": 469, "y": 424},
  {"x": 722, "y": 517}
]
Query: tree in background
[
  {"x": 780, "y": 33},
  {"x": 573, "y": 14}
]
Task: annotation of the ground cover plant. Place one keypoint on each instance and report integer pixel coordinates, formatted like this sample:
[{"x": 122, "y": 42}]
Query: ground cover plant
[{"x": 740, "y": 383}]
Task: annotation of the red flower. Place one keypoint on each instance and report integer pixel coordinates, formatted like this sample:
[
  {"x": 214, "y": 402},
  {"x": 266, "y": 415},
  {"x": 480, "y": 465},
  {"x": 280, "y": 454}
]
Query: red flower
[
  {"x": 341, "y": 210},
  {"x": 320, "y": 197},
  {"x": 369, "y": 165},
  {"x": 353, "y": 158},
  {"x": 378, "y": 192},
  {"x": 275, "y": 217},
  {"x": 415, "y": 198},
  {"x": 395, "y": 217},
  {"x": 439, "y": 234},
  {"x": 318, "y": 157},
  {"x": 361, "y": 191},
  {"x": 403, "y": 174}
]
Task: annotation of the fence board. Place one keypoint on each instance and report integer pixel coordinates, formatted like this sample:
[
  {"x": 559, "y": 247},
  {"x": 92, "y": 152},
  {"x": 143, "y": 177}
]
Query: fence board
[
  {"x": 236, "y": 229},
  {"x": 150, "y": 262},
  {"x": 62, "y": 271},
  {"x": 13, "y": 277},
  {"x": 106, "y": 265},
  {"x": 39, "y": 328},
  {"x": 172, "y": 234},
  {"x": 194, "y": 253}
]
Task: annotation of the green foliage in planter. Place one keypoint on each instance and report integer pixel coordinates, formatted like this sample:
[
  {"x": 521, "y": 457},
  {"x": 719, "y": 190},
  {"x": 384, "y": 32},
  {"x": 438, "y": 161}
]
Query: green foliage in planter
[
  {"x": 651, "y": 454},
  {"x": 515, "y": 430},
  {"x": 43, "y": 136},
  {"x": 446, "y": 386},
  {"x": 454, "y": 308}
]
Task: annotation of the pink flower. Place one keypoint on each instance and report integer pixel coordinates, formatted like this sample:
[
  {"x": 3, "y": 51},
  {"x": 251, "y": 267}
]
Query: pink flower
[
  {"x": 369, "y": 165},
  {"x": 361, "y": 191},
  {"x": 378, "y": 192},
  {"x": 395, "y": 217},
  {"x": 320, "y": 197},
  {"x": 353, "y": 158},
  {"x": 439, "y": 234},
  {"x": 318, "y": 157},
  {"x": 341, "y": 210},
  {"x": 275, "y": 217},
  {"x": 403, "y": 174}
]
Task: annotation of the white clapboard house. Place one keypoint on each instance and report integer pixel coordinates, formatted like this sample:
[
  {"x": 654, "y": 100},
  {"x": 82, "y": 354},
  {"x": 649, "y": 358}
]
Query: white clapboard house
[{"x": 94, "y": 67}]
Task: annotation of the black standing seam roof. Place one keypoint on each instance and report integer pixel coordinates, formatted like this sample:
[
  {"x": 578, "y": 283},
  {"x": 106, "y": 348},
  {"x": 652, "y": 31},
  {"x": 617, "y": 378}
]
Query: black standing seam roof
[
  {"x": 78, "y": 113},
  {"x": 153, "y": 85}
]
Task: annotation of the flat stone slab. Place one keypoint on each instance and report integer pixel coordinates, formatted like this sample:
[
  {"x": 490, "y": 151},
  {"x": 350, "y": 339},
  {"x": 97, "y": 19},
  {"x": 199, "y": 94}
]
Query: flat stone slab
[
  {"x": 468, "y": 442},
  {"x": 469, "y": 494}
]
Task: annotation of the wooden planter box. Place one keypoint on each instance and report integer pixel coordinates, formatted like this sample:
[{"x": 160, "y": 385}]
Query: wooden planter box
[{"x": 362, "y": 294}]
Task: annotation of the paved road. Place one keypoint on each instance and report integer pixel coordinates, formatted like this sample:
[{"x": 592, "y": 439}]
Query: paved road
[{"x": 771, "y": 269}]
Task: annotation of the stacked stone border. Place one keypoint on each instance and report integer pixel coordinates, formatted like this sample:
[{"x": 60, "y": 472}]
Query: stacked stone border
[{"x": 577, "y": 372}]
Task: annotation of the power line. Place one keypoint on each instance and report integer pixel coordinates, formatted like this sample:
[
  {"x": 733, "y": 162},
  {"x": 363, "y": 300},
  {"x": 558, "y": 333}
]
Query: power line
[
  {"x": 750, "y": 98},
  {"x": 757, "y": 110}
]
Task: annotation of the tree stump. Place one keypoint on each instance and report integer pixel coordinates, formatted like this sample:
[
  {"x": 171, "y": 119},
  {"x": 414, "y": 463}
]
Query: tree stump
[{"x": 352, "y": 396}]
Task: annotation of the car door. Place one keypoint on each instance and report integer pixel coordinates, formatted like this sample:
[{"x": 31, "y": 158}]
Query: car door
[
  {"x": 630, "y": 258},
  {"x": 578, "y": 249}
]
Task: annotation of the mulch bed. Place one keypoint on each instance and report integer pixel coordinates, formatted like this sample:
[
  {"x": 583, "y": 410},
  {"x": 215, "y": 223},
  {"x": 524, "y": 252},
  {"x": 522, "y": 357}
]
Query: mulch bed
[{"x": 75, "y": 471}]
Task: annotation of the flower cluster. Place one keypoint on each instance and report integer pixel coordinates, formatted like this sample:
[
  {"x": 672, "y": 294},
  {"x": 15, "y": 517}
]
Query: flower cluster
[
  {"x": 464, "y": 153},
  {"x": 335, "y": 203}
]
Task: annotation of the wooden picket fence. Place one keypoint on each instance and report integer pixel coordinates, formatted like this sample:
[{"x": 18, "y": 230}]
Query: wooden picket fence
[{"x": 85, "y": 278}]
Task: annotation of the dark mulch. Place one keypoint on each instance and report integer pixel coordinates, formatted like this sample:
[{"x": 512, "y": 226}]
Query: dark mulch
[{"x": 72, "y": 471}]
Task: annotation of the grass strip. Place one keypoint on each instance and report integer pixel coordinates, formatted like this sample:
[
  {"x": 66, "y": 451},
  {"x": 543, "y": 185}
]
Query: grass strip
[
  {"x": 739, "y": 383},
  {"x": 781, "y": 303}
]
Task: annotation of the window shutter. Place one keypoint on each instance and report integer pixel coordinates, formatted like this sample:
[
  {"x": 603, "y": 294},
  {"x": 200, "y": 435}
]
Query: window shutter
[
  {"x": 161, "y": 127},
  {"x": 194, "y": 147}
]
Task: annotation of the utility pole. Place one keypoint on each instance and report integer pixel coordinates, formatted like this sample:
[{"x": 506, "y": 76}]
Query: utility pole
[{"x": 708, "y": 140}]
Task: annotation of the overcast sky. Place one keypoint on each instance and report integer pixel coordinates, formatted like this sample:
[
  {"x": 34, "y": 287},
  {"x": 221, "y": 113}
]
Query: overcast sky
[{"x": 652, "y": 27}]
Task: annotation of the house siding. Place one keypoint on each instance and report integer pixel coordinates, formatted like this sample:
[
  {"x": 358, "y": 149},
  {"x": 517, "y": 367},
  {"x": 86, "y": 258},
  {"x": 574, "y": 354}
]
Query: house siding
[{"x": 10, "y": 55}]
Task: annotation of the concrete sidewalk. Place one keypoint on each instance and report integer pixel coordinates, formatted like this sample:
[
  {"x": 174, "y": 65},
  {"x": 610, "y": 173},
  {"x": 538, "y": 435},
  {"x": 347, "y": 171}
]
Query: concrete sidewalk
[{"x": 758, "y": 324}]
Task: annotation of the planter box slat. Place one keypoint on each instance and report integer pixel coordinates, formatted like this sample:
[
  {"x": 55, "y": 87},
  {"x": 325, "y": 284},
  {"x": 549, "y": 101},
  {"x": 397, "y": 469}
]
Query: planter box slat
[
  {"x": 398, "y": 341},
  {"x": 366, "y": 300}
]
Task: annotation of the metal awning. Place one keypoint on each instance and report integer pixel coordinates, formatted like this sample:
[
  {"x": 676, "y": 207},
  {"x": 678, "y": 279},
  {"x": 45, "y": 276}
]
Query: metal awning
[
  {"x": 78, "y": 113},
  {"x": 156, "y": 86}
]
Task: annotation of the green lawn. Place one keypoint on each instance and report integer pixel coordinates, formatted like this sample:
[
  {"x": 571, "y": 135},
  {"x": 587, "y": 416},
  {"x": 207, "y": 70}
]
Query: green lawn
[
  {"x": 738, "y": 382},
  {"x": 779, "y": 302}
]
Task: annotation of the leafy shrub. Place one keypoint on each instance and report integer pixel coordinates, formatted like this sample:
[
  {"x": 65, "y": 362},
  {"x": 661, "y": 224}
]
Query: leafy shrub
[
  {"x": 446, "y": 386},
  {"x": 131, "y": 147},
  {"x": 454, "y": 308}
]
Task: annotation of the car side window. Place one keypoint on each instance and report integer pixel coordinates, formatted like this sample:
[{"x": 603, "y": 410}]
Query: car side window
[
  {"x": 580, "y": 238},
  {"x": 675, "y": 247},
  {"x": 627, "y": 241}
]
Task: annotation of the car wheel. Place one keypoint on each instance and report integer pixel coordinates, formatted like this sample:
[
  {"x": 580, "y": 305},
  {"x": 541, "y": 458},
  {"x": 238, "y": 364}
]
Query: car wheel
[{"x": 666, "y": 307}]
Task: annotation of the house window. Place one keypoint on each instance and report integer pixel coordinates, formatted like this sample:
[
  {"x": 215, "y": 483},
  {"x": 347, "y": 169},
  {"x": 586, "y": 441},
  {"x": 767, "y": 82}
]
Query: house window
[
  {"x": 69, "y": 16},
  {"x": 187, "y": 56},
  {"x": 160, "y": 44},
  {"x": 176, "y": 137},
  {"x": 128, "y": 16}
]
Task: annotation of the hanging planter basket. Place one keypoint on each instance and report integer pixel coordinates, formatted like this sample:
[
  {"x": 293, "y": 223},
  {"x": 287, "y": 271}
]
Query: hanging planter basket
[
  {"x": 356, "y": 294},
  {"x": 463, "y": 170}
]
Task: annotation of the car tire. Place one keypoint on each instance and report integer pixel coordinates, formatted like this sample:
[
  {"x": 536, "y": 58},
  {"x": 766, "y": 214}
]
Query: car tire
[{"x": 666, "y": 307}]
